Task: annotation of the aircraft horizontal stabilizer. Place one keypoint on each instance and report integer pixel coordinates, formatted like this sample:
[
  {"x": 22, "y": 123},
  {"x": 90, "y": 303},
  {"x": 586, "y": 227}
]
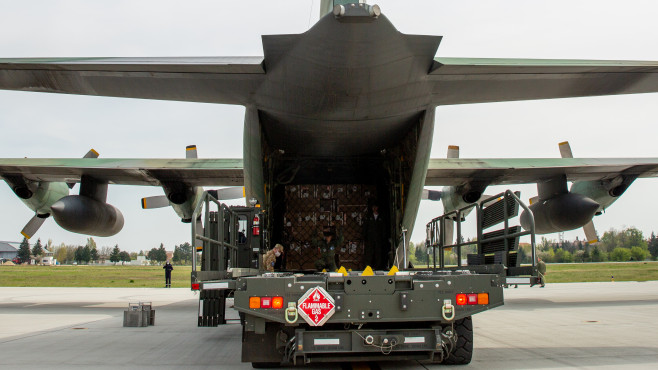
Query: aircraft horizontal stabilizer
[{"x": 484, "y": 80}]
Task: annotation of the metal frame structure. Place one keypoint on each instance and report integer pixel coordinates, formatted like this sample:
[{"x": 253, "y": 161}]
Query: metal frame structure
[
  {"x": 226, "y": 241},
  {"x": 436, "y": 229}
]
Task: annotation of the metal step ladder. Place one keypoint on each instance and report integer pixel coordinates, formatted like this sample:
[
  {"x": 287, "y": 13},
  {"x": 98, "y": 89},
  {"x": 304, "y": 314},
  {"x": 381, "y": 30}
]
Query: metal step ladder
[{"x": 495, "y": 244}]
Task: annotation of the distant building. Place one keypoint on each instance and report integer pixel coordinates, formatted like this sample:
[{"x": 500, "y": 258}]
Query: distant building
[
  {"x": 140, "y": 261},
  {"x": 8, "y": 251},
  {"x": 48, "y": 258}
]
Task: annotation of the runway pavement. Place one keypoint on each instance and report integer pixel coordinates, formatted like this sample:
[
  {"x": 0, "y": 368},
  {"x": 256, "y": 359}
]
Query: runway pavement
[{"x": 585, "y": 325}]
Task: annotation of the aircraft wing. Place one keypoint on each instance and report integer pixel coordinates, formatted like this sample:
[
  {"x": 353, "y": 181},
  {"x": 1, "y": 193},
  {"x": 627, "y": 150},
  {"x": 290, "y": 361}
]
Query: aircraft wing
[
  {"x": 476, "y": 80},
  {"x": 226, "y": 80},
  {"x": 194, "y": 172},
  {"x": 456, "y": 172},
  {"x": 229, "y": 172}
]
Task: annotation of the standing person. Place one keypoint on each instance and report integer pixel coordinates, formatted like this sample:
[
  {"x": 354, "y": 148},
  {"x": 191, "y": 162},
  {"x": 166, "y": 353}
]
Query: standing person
[
  {"x": 270, "y": 258},
  {"x": 168, "y": 268},
  {"x": 541, "y": 269},
  {"x": 374, "y": 235},
  {"x": 327, "y": 247}
]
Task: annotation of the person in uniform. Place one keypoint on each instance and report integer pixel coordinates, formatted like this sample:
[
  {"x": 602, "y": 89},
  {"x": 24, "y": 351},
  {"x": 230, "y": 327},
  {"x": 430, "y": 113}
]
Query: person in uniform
[
  {"x": 270, "y": 258},
  {"x": 541, "y": 269},
  {"x": 374, "y": 235},
  {"x": 168, "y": 268},
  {"x": 327, "y": 246}
]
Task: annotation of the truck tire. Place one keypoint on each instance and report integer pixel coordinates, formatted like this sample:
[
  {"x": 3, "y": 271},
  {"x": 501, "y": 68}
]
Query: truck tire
[{"x": 463, "y": 351}]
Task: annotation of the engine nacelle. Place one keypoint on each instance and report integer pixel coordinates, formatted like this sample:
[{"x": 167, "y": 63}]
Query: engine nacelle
[
  {"x": 37, "y": 196},
  {"x": 185, "y": 209},
  {"x": 603, "y": 192},
  {"x": 454, "y": 198},
  {"x": 561, "y": 213},
  {"x": 84, "y": 215}
]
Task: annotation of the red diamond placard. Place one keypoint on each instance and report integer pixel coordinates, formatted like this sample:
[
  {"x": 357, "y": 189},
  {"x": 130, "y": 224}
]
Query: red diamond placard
[{"x": 316, "y": 306}]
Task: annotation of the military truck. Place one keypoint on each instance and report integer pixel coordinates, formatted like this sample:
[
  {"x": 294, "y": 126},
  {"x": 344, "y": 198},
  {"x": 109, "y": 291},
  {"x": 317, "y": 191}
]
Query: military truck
[{"x": 297, "y": 314}]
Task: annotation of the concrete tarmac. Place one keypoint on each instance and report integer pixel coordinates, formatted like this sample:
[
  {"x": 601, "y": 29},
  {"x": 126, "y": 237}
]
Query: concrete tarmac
[{"x": 580, "y": 325}]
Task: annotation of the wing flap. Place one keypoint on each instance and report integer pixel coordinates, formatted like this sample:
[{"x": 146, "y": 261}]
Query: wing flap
[
  {"x": 504, "y": 171},
  {"x": 226, "y": 80},
  {"x": 194, "y": 172},
  {"x": 482, "y": 80}
]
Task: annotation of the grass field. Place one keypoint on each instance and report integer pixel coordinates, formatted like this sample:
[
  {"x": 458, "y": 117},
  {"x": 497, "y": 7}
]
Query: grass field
[
  {"x": 153, "y": 276},
  {"x": 584, "y": 272},
  {"x": 93, "y": 276}
]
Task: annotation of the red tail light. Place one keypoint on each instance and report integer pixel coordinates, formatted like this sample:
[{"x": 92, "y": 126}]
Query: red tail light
[
  {"x": 277, "y": 302},
  {"x": 195, "y": 286},
  {"x": 472, "y": 299},
  {"x": 266, "y": 302}
]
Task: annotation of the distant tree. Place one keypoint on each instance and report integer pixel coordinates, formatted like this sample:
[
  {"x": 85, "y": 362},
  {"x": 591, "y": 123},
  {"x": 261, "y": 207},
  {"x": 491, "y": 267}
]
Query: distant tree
[
  {"x": 106, "y": 252},
  {"x": 124, "y": 256},
  {"x": 86, "y": 254},
  {"x": 620, "y": 254},
  {"x": 627, "y": 238},
  {"x": 91, "y": 248},
  {"x": 94, "y": 254},
  {"x": 420, "y": 251},
  {"x": 37, "y": 250},
  {"x": 24, "y": 251},
  {"x": 639, "y": 254},
  {"x": 133, "y": 255},
  {"x": 80, "y": 254},
  {"x": 177, "y": 255},
  {"x": 545, "y": 244},
  {"x": 652, "y": 246},
  {"x": 162, "y": 253},
  {"x": 115, "y": 255},
  {"x": 412, "y": 253},
  {"x": 186, "y": 252},
  {"x": 70, "y": 253},
  {"x": 60, "y": 253},
  {"x": 141, "y": 253}
]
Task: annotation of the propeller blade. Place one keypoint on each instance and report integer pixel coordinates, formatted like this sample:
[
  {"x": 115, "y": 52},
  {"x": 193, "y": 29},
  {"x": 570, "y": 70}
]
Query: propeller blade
[
  {"x": 157, "y": 201},
  {"x": 230, "y": 193},
  {"x": 33, "y": 226},
  {"x": 432, "y": 195},
  {"x": 190, "y": 152},
  {"x": 453, "y": 151},
  {"x": 590, "y": 233},
  {"x": 90, "y": 154},
  {"x": 565, "y": 149}
]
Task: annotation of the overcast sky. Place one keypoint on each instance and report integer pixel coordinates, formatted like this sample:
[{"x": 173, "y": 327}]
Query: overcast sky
[{"x": 53, "y": 125}]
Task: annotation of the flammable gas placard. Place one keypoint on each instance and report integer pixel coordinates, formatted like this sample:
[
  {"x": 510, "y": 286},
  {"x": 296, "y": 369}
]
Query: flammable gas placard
[{"x": 316, "y": 306}]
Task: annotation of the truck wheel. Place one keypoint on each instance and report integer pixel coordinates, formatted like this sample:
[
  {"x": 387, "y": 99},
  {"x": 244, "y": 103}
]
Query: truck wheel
[
  {"x": 463, "y": 351},
  {"x": 265, "y": 365}
]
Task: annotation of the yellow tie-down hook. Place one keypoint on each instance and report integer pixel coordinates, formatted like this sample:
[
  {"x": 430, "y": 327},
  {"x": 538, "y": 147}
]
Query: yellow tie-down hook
[
  {"x": 291, "y": 313},
  {"x": 448, "y": 310}
]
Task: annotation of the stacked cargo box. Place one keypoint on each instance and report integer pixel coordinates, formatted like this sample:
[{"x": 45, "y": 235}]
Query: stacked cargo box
[{"x": 312, "y": 208}]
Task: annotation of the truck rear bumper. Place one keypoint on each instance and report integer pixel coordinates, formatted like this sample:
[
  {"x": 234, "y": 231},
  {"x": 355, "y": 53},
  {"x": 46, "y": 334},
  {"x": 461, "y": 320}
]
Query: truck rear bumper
[{"x": 334, "y": 346}]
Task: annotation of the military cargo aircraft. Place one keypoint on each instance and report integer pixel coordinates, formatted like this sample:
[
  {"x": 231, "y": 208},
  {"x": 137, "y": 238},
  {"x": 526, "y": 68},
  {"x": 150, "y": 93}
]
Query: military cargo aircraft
[{"x": 350, "y": 101}]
